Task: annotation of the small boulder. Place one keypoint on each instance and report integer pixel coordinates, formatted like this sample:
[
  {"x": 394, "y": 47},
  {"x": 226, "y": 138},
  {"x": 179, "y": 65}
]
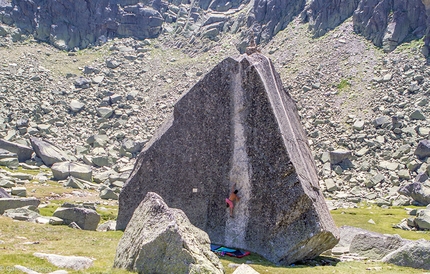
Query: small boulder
[
  {"x": 423, "y": 149},
  {"x": 85, "y": 218},
  {"x": 9, "y": 203},
  {"x": 48, "y": 152},
  {"x": 423, "y": 219},
  {"x": 3, "y": 193},
  {"x": 72, "y": 262},
  {"x": 23, "y": 152},
  {"x": 159, "y": 239},
  {"x": 76, "y": 106},
  {"x": 62, "y": 170},
  {"x": 414, "y": 254},
  {"x": 418, "y": 191},
  {"x": 108, "y": 193},
  {"x": 338, "y": 156},
  {"x": 245, "y": 269},
  {"x": 29, "y": 213}
]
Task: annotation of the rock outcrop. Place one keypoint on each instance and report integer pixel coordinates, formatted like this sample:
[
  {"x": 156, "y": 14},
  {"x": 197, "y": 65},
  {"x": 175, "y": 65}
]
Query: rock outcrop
[
  {"x": 387, "y": 23},
  {"x": 237, "y": 125},
  {"x": 160, "y": 239}
]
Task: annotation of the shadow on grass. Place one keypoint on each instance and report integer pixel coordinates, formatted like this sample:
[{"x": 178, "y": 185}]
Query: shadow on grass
[{"x": 262, "y": 265}]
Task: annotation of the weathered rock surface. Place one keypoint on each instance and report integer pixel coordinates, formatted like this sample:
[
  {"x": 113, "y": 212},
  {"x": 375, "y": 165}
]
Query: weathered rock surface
[
  {"x": 23, "y": 152},
  {"x": 160, "y": 239},
  {"x": 375, "y": 245},
  {"x": 85, "y": 218},
  {"x": 3, "y": 193},
  {"x": 418, "y": 191},
  {"x": 237, "y": 125},
  {"x": 49, "y": 153},
  {"x": 10, "y": 203},
  {"x": 62, "y": 170},
  {"x": 72, "y": 262},
  {"x": 414, "y": 254},
  {"x": 245, "y": 269}
]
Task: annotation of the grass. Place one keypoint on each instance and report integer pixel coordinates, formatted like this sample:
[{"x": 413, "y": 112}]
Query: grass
[
  {"x": 343, "y": 85},
  {"x": 19, "y": 240}
]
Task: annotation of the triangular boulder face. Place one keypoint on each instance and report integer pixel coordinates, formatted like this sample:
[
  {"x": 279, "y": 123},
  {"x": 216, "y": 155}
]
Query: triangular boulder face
[{"x": 238, "y": 126}]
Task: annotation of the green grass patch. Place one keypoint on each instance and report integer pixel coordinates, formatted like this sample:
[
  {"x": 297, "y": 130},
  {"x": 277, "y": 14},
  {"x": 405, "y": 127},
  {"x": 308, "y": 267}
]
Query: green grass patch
[
  {"x": 384, "y": 218},
  {"x": 343, "y": 85}
]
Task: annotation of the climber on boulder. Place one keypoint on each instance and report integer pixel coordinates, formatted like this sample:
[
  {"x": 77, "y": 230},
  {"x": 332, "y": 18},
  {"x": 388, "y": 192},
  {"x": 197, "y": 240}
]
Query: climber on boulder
[{"x": 232, "y": 198}]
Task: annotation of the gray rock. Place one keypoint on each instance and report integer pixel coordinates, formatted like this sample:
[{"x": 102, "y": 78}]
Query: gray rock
[
  {"x": 382, "y": 121},
  {"x": 108, "y": 193},
  {"x": 417, "y": 115},
  {"x": 191, "y": 140},
  {"x": 86, "y": 219},
  {"x": 338, "y": 156},
  {"x": 159, "y": 239},
  {"x": 19, "y": 191},
  {"x": 102, "y": 160},
  {"x": 104, "y": 112},
  {"x": 56, "y": 221},
  {"x": 23, "y": 213},
  {"x": 3, "y": 194},
  {"x": 98, "y": 140},
  {"x": 11, "y": 162},
  {"x": 358, "y": 125},
  {"x": 76, "y": 106},
  {"x": 245, "y": 269},
  {"x": 71, "y": 262},
  {"x": 11, "y": 203},
  {"x": 23, "y": 152},
  {"x": 47, "y": 152},
  {"x": 112, "y": 63},
  {"x": 423, "y": 219},
  {"x": 62, "y": 170},
  {"x": 418, "y": 191},
  {"x": 423, "y": 149},
  {"x": 414, "y": 254},
  {"x": 82, "y": 82},
  {"x": 375, "y": 245},
  {"x": 74, "y": 183},
  {"x": 107, "y": 226}
]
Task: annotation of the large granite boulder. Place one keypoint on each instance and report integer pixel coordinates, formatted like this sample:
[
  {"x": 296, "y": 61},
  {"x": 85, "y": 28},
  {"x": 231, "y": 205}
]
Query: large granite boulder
[
  {"x": 49, "y": 153},
  {"x": 237, "y": 125},
  {"x": 23, "y": 152},
  {"x": 11, "y": 203},
  {"x": 160, "y": 239},
  {"x": 85, "y": 218}
]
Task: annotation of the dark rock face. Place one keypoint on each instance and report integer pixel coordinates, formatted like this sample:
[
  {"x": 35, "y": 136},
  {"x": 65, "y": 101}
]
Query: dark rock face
[
  {"x": 160, "y": 239},
  {"x": 326, "y": 15},
  {"x": 71, "y": 24},
  {"x": 418, "y": 191},
  {"x": 387, "y": 23},
  {"x": 272, "y": 16},
  {"x": 237, "y": 125}
]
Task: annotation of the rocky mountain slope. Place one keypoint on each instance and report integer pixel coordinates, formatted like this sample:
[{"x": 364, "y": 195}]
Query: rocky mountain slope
[
  {"x": 348, "y": 90},
  {"x": 387, "y": 23}
]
